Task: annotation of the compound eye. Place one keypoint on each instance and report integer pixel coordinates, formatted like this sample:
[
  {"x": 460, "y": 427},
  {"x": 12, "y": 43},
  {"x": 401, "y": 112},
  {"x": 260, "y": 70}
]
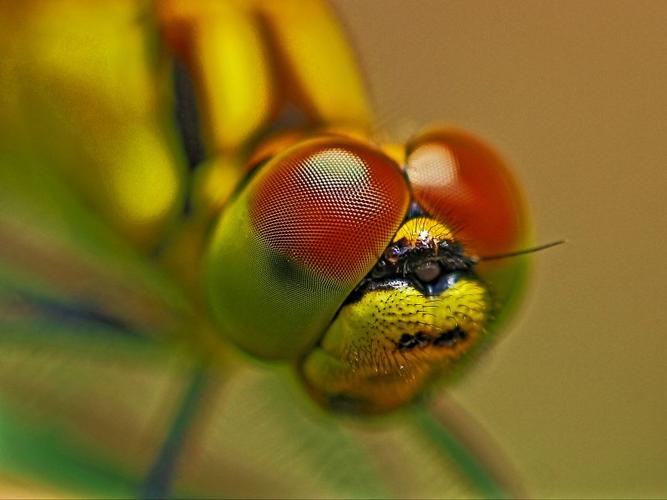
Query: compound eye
[
  {"x": 331, "y": 206},
  {"x": 298, "y": 238},
  {"x": 463, "y": 183}
]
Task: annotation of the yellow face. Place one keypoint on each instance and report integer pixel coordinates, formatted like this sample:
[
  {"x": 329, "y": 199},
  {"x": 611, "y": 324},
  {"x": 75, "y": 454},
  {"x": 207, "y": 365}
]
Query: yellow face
[{"x": 418, "y": 311}]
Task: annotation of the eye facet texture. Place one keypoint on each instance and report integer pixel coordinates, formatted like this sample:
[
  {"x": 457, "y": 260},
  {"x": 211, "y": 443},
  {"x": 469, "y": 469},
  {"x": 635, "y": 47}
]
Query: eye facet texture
[
  {"x": 297, "y": 240},
  {"x": 330, "y": 208}
]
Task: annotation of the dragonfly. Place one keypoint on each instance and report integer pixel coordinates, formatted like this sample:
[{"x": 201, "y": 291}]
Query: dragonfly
[{"x": 218, "y": 279}]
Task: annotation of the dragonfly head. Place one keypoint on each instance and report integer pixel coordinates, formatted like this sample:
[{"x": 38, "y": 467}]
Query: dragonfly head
[{"x": 364, "y": 272}]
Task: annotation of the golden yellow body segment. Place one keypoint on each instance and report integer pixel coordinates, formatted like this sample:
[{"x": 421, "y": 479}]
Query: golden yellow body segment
[{"x": 381, "y": 350}]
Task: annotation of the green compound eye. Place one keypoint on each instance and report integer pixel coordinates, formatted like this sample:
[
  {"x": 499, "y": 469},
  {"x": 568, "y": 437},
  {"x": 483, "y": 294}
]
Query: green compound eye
[
  {"x": 319, "y": 261},
  {"x": 298, "y": 239}
]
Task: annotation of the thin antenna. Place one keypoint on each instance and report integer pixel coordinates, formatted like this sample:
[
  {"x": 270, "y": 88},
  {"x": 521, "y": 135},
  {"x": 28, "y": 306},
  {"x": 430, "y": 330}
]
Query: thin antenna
[{"x": 522, "y": 252}]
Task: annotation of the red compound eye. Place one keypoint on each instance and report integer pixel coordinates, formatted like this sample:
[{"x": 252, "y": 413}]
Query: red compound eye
[
  {"x": 462, "y": 182},
  {"x": 332, "y": 205}
]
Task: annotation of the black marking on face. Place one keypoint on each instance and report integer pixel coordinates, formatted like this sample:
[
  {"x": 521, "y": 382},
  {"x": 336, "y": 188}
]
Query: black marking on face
[
  {"x": 407, "y": 341},
  {"x": 450, "y": 337}
]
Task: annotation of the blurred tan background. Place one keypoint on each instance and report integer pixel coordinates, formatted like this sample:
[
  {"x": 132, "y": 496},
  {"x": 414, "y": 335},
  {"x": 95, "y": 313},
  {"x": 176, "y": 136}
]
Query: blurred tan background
[{"x": 575, "y": 95}]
